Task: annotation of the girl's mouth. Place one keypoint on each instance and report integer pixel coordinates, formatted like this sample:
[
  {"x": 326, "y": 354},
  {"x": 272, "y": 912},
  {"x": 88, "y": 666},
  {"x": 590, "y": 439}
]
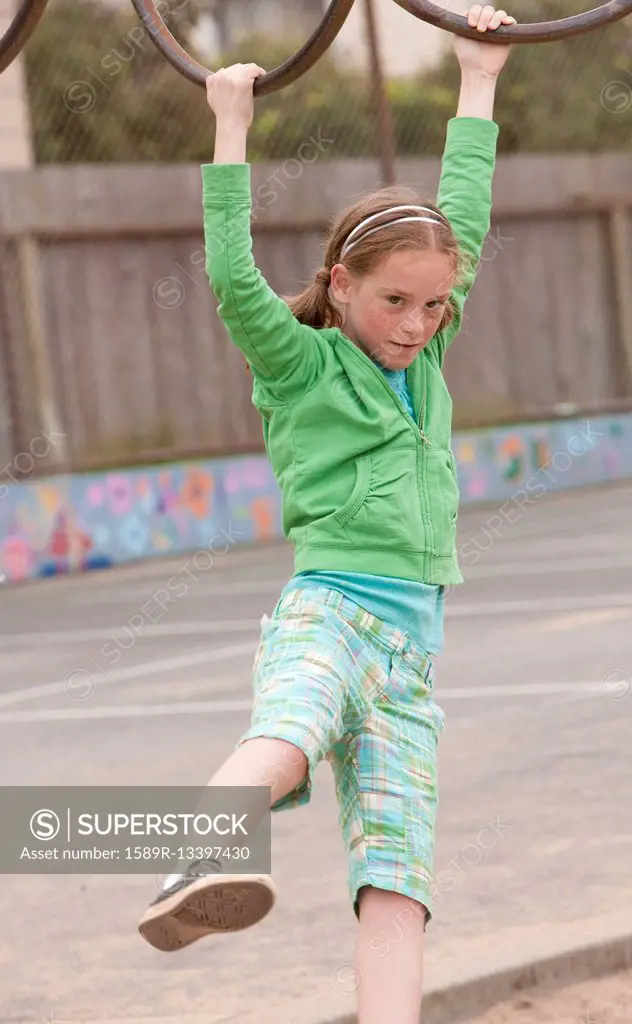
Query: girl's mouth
[{"x": 404, "y": 344}]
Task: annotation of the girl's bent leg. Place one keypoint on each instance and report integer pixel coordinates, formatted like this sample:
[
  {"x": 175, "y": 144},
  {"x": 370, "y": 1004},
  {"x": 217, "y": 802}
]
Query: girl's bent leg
[
  {"x": 264, "y": 762},
  {"x": 208, "y": 897},
  {"x": 389, "y": 957}
]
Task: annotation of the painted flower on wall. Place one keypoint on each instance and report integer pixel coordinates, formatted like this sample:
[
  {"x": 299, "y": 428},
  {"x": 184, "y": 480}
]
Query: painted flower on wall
[
  {"x": 512, "y": 457},
  {"x": 134, "y": 535},
  {"x": 95, "y": 494},
  {"x": 196, "y": 493},
  {"x": 50, "y": 498},
  {"x": 17, "y": 558},
  {"x": 120, "y": 493},
  {"x": 263, "y": 515},
  {"x": 166, "y": 495},
  {"x": 146, "y": 499},
  {"x": 58, "y": 545}
]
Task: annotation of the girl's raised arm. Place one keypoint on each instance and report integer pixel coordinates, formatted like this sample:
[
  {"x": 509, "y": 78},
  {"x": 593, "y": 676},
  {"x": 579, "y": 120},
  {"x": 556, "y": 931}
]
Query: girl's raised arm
[
  {"x": 465, "y": 187},
  {"x": 282, "y": 352}
]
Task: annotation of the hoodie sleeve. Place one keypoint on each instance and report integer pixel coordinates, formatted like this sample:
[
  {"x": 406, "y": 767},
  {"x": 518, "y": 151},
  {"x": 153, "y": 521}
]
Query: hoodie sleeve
[
  {"x": 280, "y": 351},
  {"x": 465, "y": 197}
]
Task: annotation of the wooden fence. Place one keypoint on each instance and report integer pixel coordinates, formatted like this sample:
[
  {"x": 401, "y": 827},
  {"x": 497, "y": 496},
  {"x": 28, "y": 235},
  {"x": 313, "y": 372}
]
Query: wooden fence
[{"x": 108, "y": 329}]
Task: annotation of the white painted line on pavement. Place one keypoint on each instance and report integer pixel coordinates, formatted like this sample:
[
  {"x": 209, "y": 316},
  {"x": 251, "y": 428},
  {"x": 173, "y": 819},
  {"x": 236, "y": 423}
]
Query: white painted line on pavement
[
  {"x": 454, "y": 609},
  {"x": 219, "y": 707},
  {"x": 131, "y": 711},
  {"x": 516, "y": 690},
  {"x": 547, "y": 567},
  {"x": 76, "y": 636},
  {"x": 127, "y": 595},
  {"x": 536, "y": 605},
  {"x": 122, "y": 674},
  {"x": 580, "y": 619}
]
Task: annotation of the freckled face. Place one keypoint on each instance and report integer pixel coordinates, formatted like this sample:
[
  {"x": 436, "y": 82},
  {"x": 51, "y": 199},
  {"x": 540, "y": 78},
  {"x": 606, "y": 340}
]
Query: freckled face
[{"x": 393, "y": 312}]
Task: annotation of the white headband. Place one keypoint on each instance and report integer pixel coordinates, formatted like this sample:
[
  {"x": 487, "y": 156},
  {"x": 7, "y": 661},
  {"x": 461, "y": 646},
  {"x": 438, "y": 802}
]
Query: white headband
[{"x": 435, "y": 219}]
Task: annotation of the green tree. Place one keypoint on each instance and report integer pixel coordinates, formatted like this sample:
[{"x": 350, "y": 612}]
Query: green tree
[
  {"x": 573, "y": 94},
  {"x": 100, "y": 91}
]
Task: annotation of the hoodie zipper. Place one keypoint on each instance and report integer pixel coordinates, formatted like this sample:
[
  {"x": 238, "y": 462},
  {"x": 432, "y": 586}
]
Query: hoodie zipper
[
  {"x": 385, "y": 384},
  {"x": 421, "y": 427},
  {"x": 423, "y": 501},
  {"x": 420, "y": 424}
]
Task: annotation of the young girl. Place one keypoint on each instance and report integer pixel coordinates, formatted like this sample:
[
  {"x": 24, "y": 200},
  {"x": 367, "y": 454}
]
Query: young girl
[{"x": 357, "y": 423}]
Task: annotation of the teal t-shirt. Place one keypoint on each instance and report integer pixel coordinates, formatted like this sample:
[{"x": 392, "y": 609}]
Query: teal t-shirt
[
  {"x": 397, "y": 380},
  {"x": 415, "y": 608}
]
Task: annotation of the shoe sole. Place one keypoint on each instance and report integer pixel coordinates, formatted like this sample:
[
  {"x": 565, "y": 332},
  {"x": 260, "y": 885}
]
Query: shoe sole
[{"x": 208, "y": 906}]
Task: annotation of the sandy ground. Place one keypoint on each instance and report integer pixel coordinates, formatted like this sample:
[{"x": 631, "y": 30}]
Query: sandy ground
[{"x": 603, "y": 1001}]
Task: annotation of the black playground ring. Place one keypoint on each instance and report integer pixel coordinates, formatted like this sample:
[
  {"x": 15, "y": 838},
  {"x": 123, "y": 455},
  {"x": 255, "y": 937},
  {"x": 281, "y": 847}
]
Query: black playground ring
[
  {"x": 537, "y": 32},
  {"x": 30, "y": 12},
  {"x": 20, "y": 30},
  {"x": 285, "y": 74},
  {"x": 541, "y": 32}
]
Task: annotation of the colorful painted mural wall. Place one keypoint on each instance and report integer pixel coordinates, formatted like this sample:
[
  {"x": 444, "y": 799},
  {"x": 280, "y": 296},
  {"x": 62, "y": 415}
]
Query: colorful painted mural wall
[{"x": 92, "y": 521}]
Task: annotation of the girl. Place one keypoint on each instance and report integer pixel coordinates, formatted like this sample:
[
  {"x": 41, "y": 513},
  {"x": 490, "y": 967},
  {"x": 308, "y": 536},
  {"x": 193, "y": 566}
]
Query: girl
[{"x": 356, "y": 421}]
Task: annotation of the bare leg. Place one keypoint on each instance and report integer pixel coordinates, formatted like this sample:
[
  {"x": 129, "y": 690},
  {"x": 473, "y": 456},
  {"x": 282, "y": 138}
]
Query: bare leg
[
  {"x": 263, "y": 762},
  {"x": 191, "y": 905},
  {"x": 389, "y": 958}
]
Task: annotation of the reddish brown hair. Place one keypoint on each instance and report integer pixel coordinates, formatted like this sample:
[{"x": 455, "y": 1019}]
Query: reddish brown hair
[{"x": 314, "y": 307}]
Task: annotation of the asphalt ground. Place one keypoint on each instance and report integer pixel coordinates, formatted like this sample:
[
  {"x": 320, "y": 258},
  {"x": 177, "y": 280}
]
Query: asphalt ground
[{"x": 104, "y": 682}]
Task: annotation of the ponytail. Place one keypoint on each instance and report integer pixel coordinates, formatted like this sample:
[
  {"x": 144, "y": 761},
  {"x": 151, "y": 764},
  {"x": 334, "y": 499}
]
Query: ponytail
[
  {"x": 314, "y": 306},
  {"x": 360, "y": 249}
]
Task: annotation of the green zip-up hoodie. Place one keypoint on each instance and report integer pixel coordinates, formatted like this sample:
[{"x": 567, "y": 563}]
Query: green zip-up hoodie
[{"x": 365, "y": 487}]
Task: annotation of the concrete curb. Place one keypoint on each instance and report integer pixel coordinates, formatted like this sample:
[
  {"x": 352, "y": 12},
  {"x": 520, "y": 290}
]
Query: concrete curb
[
  {"x": 460, "y": 1002},
  {"x": 450, "y": 1004}
]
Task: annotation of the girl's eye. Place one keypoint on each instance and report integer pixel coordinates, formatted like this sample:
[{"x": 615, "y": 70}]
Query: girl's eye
[
  {"x": 394, "y": 299},
  {"x": 434, "y": 303}
]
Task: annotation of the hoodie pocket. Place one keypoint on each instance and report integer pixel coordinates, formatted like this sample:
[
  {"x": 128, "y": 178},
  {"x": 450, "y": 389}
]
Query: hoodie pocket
[
  {"x": 386, "y": 512},
  {"x": 360, "y": 490},
  {"x": 331, "y": 528}
]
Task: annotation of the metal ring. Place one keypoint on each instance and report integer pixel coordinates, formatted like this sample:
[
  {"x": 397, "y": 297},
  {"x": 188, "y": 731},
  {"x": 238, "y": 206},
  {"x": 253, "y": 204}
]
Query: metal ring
[
  {"x": 285, "y": 74},
  {"x": 20, "y": 30},
  {"x": 538, "y": 32}
]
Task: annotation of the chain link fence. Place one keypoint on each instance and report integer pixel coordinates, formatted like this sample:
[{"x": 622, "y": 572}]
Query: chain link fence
[{"x": 99, "y": 91}]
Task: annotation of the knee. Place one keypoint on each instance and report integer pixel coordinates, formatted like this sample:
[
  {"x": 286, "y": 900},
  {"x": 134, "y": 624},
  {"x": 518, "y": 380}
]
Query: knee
[
  {"x": 279, "y": 757},
  {"x": 291, "y": 759}
]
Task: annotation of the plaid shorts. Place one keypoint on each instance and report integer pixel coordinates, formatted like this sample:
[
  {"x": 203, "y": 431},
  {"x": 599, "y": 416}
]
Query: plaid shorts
[{"x": 342, "y": 685}]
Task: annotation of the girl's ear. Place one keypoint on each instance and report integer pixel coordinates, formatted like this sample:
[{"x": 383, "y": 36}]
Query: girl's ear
[{"x": 340, "y": 282}]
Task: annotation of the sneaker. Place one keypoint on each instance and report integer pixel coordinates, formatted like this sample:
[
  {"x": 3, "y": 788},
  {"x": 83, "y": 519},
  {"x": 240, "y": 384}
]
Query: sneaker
[{"x": 205, "y": 901}]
